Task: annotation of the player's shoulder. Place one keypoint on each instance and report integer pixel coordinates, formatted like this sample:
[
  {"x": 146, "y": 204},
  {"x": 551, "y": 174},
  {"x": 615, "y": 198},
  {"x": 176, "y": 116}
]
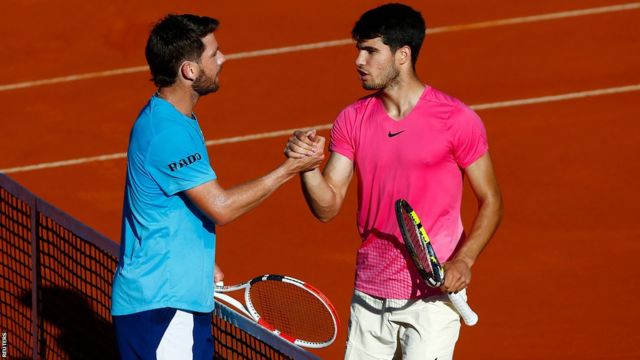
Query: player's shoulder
[
  {"x": 439, "y": 98},
  {"x": 361, "y": 104},
  {"x": 445, "y": 106},
  {"x": 157, "y": 125},
  {"x": 356, "y": 109},
  {"x": 158, "y": 116}
]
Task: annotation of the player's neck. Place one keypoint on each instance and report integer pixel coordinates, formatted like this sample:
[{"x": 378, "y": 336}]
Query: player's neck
[
  {"x": 181, "y": 98},
  {"x": 401, "y": 97}
]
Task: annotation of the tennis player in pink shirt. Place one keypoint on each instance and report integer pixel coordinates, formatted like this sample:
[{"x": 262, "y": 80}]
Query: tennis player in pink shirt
[{"x": 406, "y": 140}]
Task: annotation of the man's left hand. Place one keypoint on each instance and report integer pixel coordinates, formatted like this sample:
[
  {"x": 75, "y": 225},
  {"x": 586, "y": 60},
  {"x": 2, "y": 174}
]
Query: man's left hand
[{"x": 457, "y": 275}]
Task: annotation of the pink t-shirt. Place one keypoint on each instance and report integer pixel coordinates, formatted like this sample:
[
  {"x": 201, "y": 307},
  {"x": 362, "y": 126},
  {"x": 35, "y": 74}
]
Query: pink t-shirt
[{"x": 418, "y": 158}]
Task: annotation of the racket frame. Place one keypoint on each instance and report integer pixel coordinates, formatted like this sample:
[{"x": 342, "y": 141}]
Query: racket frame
[
  {"x": 437, "y": 276},
  {"x": 249, "y": 310}
]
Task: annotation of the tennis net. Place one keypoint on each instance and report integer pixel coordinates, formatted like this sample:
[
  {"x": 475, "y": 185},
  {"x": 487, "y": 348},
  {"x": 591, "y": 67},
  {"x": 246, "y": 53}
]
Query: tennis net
[{"x": 55, "y": 290}]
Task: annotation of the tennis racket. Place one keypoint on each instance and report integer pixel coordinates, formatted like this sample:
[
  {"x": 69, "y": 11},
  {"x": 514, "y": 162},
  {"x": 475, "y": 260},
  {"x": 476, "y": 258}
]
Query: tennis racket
[
  {"x": 425, "y": 259},
  {"x": 288, "y": 307}
]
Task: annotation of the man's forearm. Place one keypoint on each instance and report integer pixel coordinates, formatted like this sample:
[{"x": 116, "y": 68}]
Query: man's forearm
[
  {"x": 239, "y": 199},
  {"x": 223, "y": 206},
  {"x": 320, "y": 196},
  {"x": 484, "y": 227}
]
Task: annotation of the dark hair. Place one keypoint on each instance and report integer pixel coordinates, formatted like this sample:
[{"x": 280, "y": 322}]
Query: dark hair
[
  {"x": 397, "y": 24},
  {"x": 174, "y": 39}
]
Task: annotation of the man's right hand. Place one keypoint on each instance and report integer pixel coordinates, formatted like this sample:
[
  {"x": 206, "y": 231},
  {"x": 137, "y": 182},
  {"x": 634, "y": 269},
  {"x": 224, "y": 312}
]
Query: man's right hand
[
  {"x": 304, "y": 144},
  {"x": 324, "y": 191}
]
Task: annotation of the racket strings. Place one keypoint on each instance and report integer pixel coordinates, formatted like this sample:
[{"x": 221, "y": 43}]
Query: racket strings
[
  {"x": 415, "y": 242},
  {"x": 292, "y": 310}
]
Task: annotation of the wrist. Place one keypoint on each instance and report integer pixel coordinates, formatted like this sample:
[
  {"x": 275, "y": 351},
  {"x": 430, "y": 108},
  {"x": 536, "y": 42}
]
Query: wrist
[
  {"x": 287, "y": 169},
  {"x": 466, "y": 260}
]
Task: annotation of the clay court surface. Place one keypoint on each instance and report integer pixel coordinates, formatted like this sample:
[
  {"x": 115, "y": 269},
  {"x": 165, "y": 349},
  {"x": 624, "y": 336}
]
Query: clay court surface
[{"x": 559, "y": 96}]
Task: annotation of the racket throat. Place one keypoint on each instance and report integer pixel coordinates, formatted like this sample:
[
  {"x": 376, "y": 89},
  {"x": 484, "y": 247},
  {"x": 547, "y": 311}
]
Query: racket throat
[{"x": 271, "y": 328}]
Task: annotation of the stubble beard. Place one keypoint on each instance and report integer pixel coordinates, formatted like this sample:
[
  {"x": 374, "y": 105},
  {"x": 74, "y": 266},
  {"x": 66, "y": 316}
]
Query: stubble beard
[
  {"x": 204, "y": 84},
  {"x": 389, "y": 78}
]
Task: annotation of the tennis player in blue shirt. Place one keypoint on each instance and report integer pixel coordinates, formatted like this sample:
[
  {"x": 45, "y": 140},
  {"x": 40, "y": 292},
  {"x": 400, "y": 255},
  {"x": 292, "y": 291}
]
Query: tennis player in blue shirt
[{"x": 163, "y": 285}]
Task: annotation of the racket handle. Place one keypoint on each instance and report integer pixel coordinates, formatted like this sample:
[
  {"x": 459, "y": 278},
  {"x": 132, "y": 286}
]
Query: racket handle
[{"x": 469, "y": 317}]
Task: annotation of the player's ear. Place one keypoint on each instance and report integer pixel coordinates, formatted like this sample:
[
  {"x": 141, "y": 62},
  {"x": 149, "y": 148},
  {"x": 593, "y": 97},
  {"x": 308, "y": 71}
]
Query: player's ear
[
  {"x": 189, "y": 70},
  {"x": 403, "y": 55}
]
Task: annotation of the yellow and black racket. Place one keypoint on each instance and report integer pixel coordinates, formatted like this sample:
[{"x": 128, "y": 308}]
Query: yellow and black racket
[{"x": 424, "y": 257}]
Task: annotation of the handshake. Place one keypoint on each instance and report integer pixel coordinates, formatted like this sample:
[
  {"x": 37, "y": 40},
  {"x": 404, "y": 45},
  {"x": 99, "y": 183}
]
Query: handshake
[{"x": 304, "y": 151}]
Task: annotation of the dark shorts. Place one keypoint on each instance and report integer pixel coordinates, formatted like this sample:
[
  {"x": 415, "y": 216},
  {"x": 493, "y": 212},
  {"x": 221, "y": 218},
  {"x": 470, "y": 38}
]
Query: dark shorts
[{"x": 164, "y": 334}]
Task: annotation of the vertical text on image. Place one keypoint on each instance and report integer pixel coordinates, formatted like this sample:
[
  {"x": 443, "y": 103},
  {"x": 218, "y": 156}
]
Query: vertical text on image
[{"x": 4, "y": 344}]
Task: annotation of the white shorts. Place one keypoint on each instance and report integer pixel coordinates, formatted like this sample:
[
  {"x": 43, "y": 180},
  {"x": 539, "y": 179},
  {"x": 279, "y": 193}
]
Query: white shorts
[{"x": 401, "y": 329}]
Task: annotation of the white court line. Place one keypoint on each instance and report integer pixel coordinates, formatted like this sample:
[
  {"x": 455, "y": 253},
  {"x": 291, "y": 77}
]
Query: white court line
[
  {"x": 287, "y": 132},
  {"x": 538, "y": 18},
  {"x": 334, "y": 43},
  {"x": 561, "y": 97}
]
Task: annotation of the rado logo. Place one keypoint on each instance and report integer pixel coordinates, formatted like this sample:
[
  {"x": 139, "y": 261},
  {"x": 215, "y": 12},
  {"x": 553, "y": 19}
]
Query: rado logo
[{"x": 184, "y": 162}]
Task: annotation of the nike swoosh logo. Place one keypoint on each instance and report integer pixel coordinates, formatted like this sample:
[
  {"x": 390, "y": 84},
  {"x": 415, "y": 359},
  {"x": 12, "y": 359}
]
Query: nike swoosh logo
[{"x": 390, "y": 134}]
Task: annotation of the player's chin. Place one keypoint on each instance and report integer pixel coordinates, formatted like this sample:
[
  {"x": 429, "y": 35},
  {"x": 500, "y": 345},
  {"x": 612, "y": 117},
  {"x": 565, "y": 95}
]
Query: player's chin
[{"x": 370, "y": 86}]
